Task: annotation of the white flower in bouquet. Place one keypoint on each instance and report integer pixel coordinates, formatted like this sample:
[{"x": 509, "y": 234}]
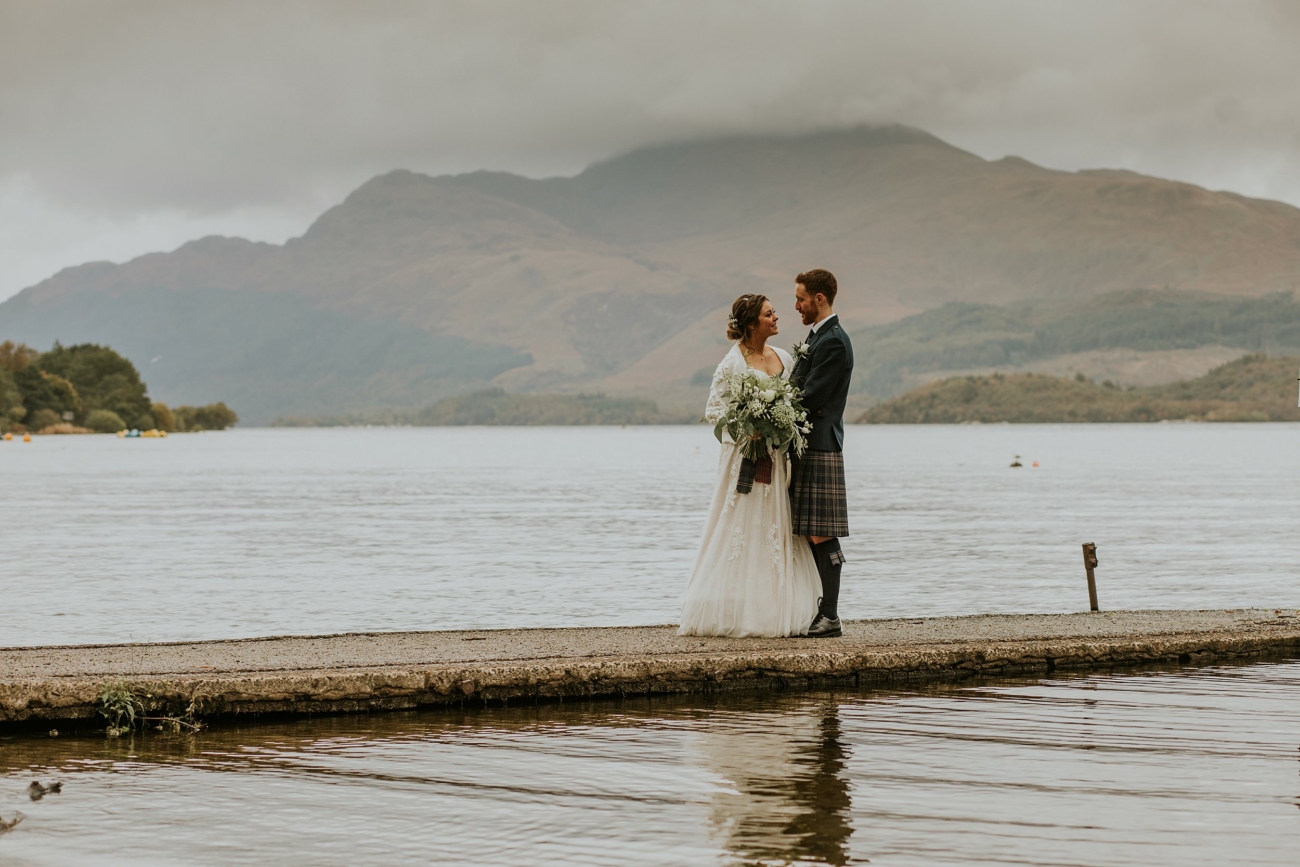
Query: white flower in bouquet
[{"x": 764, "y": 414}]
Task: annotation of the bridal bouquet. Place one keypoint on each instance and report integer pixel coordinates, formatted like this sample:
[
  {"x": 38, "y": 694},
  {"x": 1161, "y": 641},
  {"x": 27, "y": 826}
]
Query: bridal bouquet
[{"x": 764, "y": 414}]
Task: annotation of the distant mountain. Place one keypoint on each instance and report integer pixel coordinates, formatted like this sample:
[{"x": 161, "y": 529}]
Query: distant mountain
[{"x": 617, "y": 280}]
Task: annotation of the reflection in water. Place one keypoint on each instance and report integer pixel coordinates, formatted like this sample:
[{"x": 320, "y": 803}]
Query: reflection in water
[
  {"x": 1184, "y": 767},
  {"x": 788, "y": 798}
]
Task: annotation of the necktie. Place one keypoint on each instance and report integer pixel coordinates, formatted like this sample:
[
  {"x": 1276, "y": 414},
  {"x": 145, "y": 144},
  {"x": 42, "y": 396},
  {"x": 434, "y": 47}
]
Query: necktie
[{"x": 812, "y": 332}]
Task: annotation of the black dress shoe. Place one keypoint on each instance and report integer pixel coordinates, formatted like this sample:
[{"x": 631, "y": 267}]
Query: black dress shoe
[{"x": 824, "y": 627}]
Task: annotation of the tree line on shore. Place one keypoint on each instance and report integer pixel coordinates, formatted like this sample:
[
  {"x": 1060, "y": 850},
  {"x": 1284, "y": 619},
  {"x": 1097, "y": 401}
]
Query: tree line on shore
[
  {"x": 88, "y": 388},
  {"x": 959, "y": 338},
  {"x": 1252, "y": 388},
  {"x": 496, "y": 407}
]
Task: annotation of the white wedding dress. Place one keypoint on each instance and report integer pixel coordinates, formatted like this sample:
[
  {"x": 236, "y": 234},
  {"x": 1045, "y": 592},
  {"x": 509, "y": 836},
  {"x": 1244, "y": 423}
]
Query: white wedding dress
[{"x": 752, "y": 577}]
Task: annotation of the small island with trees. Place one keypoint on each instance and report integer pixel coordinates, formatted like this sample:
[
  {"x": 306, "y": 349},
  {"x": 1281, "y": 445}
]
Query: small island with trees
[{"x": 88, "y": 388}]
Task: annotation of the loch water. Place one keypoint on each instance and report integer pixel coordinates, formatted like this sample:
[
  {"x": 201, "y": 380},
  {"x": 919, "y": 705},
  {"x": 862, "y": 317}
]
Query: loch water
[
  {"x": 261, "y": 532},
  {"x": 275, "y": 531},
  {"x": 1178, "y": 767}
]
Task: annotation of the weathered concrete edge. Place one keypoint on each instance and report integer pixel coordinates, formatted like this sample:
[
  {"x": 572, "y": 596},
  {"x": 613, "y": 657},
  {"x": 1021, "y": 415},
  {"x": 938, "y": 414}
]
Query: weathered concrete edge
[{"x": 23, "y": 703}]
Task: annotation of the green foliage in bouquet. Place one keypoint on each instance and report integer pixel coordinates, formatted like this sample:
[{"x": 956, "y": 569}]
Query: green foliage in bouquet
[{"x": 764, "y": 414}]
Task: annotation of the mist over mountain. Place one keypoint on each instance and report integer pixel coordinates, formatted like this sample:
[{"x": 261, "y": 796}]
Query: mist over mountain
[{"x": 618, "y": 279}]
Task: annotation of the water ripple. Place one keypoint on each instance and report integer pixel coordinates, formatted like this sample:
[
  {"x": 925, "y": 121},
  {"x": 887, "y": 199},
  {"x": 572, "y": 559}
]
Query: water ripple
[
  {"x": 1169, "y": 767},
  {"x": 262, "y": 532}
]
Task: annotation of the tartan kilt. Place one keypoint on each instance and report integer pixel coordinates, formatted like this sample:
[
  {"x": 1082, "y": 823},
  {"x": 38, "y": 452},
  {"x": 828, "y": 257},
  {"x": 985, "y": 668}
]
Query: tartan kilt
[{"x": 819, "y": 503}]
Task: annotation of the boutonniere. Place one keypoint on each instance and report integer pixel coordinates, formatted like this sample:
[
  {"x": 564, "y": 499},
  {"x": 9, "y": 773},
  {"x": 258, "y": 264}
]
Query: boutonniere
[{"x": 798, "y": 351}]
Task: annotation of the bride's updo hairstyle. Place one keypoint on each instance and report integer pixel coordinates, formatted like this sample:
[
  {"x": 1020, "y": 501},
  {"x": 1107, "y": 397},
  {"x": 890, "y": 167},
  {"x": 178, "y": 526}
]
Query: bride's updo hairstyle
[{"x": 744, "y": 316}]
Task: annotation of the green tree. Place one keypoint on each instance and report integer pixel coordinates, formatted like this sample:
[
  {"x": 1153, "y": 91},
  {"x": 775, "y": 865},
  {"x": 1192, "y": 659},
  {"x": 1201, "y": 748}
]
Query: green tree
[
  {"x": 103, "y": 378},
  {"x": 163, "y": 418},
  {"x": 11, "y": 401},
  {"x": 42, "y": 390},
  {"x": 214, "y": 416},
  {"x": 104, "y": 421},
  {"x": 13, "y": 358},
  {"x": 41, "y": 419}
]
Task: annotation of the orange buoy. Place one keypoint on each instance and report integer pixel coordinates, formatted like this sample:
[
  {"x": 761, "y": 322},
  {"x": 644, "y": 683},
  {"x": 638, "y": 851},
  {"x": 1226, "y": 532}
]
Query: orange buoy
[
  {"x": 1035, "y": 463},
  {"x": 27, "y": 438}
]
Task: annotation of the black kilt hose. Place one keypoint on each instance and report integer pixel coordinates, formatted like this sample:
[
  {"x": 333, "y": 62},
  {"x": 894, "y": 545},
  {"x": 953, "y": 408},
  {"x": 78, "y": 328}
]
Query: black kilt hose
[{"x": 819, "y": 503}]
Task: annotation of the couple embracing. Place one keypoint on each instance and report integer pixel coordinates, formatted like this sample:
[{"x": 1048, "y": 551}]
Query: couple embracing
[{"x": 769, "y": 563}]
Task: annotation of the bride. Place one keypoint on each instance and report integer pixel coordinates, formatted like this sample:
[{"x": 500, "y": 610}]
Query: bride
[{"x": 752, "y": 576}]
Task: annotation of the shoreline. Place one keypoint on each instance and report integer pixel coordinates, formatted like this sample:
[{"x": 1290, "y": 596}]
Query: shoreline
[{"x": 366, "y": 672}]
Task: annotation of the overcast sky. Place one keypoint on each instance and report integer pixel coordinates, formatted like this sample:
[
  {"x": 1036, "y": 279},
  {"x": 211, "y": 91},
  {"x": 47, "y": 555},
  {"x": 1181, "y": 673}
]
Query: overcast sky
[{"x": 127, "y": 127}]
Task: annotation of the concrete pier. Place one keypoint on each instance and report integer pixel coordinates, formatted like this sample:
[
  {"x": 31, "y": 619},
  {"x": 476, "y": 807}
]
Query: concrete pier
[{"x": 379, "y": 671}]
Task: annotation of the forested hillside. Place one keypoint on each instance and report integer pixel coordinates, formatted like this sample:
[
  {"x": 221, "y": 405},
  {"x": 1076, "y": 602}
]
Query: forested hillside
[
  {"x": 960, "y": 337},
  {"x": 1253, "y": 388}
]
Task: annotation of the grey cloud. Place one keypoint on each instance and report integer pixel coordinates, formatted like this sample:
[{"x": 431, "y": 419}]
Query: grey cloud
[{"x": 126, "y": 108}]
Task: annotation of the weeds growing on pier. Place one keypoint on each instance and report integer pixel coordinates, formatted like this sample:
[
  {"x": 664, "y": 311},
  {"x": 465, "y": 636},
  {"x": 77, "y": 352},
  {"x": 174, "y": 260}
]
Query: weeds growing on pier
[
  {"x": 119, "y": 706},
  {"x": 124, "y": 709}
]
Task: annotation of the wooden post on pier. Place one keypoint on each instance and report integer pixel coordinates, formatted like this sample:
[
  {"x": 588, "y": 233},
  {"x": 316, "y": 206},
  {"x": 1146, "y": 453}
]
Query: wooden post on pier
[{"x": 1090, "y": 563}]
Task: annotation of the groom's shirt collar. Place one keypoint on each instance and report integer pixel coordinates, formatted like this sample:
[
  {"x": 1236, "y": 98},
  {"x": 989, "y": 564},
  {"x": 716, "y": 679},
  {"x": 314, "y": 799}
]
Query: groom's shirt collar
[{"x": 823, "y": 323}]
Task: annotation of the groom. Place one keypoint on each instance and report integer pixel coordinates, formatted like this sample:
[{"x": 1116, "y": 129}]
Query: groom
[{"x": 818, "y": 498}]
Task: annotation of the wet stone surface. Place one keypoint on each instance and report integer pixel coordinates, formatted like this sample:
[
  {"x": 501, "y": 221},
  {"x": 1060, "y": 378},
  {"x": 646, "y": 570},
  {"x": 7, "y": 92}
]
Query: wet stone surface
[{"x": 359, "y": 672}]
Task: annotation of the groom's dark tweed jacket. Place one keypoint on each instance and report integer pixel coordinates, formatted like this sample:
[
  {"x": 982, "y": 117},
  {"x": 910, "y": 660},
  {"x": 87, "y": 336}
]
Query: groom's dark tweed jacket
[{"x": 824, "y": 374}]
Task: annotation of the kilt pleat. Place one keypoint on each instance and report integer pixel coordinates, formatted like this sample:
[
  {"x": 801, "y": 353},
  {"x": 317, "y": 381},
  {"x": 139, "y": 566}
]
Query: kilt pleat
[{"x": 819, "y": 502}]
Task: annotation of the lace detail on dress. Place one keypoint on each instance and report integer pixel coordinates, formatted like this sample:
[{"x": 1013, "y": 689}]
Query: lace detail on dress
[
  {"x": 737, "y": 543},
  {"x": 716, "y": 406},
  {"x": 732, "y": 478}
]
